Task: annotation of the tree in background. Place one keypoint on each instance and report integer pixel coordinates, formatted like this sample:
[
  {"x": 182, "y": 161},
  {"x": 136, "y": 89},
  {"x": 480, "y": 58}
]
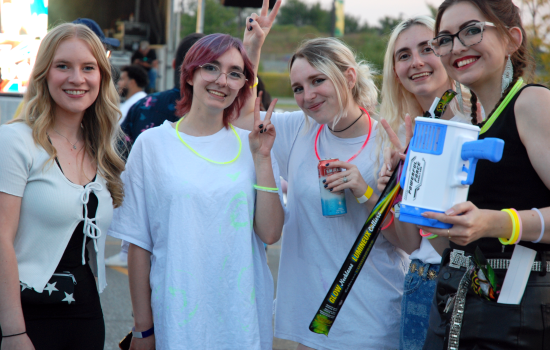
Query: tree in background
[{"x": 538, "y": 33}]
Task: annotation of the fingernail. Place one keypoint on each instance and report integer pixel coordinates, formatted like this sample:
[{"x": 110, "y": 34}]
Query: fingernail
[
  {"x": 326, "y": 164},
  {"x": 261, "y": 131},
  {"x": 389, "y": 167},
  {"x": 265, "y": 129},
  {"x": 324, "y": 181},
  {"x": 250, "y": 20},
  {"x": 261, "y": 126},
  {"x": 249, "y": 28},
  {"x": 424, "y": 215},
  {"x": 326, "y": 185},
  {"x": 331, "y": 190},
  {"x": 450, "y": 212}
]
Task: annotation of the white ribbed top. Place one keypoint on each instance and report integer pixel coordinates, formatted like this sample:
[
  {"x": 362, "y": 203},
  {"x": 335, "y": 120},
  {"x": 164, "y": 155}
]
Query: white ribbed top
[{"x": 51, "y": 208}]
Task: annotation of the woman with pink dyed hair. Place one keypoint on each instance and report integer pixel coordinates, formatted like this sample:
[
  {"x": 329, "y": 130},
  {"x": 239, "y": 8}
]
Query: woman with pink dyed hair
[{"x": 198, "y": 208}]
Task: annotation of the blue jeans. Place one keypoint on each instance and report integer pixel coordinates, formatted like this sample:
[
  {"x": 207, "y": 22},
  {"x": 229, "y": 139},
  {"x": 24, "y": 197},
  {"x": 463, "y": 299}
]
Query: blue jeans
[{"x": 418, "y": 293}]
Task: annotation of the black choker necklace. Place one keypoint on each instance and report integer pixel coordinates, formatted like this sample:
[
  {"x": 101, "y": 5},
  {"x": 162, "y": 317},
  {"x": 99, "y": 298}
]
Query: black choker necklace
[{"x": 349, "y": 126}]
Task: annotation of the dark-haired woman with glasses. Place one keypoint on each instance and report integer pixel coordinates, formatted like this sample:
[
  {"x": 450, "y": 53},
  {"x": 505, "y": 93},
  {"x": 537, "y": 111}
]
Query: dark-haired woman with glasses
[
  {"x": 197, "y": 210},
  {"x": 482, "y": 45}
]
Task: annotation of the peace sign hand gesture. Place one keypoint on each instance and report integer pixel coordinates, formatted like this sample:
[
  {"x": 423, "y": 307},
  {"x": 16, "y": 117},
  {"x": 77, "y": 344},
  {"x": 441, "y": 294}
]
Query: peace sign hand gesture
[
  {"x": 262, "y": 136},
  {"x": 392, "y": 156},
  {"x": 257, "y": 27}
]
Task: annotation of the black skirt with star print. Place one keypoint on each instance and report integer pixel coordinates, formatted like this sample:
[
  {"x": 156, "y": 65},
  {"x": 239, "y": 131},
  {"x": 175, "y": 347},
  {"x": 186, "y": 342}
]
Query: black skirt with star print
[{"x": 84, "y": 302}]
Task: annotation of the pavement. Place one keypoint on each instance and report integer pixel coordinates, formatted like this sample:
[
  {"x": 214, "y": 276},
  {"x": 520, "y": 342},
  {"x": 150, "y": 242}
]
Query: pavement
[{"x": 117, "y": 307}]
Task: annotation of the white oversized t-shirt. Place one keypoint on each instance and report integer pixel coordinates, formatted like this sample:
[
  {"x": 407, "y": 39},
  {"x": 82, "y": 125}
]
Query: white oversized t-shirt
[
  {"x": 211, "y": 286},
  {"x": 314, "y": 247}
]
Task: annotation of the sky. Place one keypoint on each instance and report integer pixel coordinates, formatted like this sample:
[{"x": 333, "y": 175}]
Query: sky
[{"x": 373, "y": 10}]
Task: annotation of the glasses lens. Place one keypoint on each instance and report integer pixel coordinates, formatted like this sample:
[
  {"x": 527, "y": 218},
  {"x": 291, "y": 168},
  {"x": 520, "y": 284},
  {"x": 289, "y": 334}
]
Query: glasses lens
[
  {"x": 442, "y": 45},
  {"x": 471, "y": 35},
  {"x": 210, "y": 72},
  {"x": 235, "y": 80}
]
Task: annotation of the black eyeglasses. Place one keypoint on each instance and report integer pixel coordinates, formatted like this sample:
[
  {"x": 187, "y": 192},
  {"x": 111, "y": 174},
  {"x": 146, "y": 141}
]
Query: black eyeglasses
[{"x": 468, "y": 36}]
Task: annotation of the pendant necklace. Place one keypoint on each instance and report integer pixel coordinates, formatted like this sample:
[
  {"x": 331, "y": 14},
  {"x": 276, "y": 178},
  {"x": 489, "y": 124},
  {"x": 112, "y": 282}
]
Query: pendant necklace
[
  {"x": 362, "y": 147},
  {"x": 73, "y": 144}
]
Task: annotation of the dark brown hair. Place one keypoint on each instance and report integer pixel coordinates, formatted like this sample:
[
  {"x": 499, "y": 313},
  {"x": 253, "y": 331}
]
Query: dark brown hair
[{"x": 504, "y": 14}]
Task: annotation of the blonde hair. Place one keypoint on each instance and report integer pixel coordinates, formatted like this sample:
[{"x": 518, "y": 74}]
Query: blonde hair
[
  {"x": 398, "y": 101},
  {"x": 333, "y": 58},
  {"x": 100, "y": 122}
]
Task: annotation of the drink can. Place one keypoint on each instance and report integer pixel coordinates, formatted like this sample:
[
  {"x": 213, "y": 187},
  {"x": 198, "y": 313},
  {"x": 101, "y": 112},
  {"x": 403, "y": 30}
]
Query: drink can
[{"x": 332, "y": 203}]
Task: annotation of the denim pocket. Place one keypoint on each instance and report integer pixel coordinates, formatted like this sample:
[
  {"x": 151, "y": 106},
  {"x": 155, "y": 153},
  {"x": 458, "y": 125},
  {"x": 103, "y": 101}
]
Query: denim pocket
[{"x": 412, "y": 282}]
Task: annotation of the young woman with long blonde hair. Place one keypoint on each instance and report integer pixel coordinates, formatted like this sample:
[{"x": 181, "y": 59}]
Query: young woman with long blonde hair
[
  {"x": 413, "y": 78},
  {"x": 59, "y": 182}
]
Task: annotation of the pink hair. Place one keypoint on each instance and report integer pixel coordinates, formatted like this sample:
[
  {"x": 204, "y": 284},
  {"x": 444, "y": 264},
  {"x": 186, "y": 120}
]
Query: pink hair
[{"x": 206, "y": 50}]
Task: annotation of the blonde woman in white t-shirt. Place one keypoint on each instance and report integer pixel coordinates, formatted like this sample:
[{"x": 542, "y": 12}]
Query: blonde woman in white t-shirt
[
  {"x": 59, "y": 180},
  {"x": 338, "y": 99}
]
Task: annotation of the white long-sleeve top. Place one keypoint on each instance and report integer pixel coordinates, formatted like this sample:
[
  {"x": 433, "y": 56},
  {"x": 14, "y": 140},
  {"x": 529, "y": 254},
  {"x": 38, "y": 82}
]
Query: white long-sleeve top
[{"x": 51, "y": 208}]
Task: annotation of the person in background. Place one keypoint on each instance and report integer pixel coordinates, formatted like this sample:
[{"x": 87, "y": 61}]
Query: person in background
[
  {"x": 146, "y": 57},
  {"x": 133, "y": 80},
  {"x": 59, "y": 181},
  {"x": 149, "y": 112}
]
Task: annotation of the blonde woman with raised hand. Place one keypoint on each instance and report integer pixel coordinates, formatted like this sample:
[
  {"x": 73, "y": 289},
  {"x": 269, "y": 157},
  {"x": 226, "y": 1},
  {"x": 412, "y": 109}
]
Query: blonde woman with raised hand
[
  {"x": 59, "y": 181},
  {"x": 338, "y": 98},
  {"x": 413, "y": 78}
]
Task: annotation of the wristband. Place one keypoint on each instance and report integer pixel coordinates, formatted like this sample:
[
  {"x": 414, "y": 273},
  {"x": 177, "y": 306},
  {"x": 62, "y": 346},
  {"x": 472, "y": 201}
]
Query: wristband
[
  {"x": 13, "y": 335},
  {"x": 145, "y": 334},
  {"x": 366, "y": 196},
  {"x": 255, "y": 83},
  {"x": 515, "y": 229},
  {"x": 389, "y": 223},
  {"x": 267, "y": 189},
  {"x": 541, "y": 225},
  {"x": 518, "y": 218}
]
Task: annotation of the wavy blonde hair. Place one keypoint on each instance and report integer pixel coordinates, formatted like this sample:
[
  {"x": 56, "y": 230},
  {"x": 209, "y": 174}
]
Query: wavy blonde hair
[
  {"x": 332, "y": 57},
  {"x": 100, "y": 122},
  {"x": 398, "y": 101}
]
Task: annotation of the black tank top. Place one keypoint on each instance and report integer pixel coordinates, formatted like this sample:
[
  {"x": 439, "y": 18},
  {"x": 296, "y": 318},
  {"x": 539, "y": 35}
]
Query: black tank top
[{"x": 510, "y": 183}]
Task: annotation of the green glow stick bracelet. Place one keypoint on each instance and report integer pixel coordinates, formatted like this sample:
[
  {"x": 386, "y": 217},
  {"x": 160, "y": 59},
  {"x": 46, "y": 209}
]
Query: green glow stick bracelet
[{"x": 210, "y": 160}]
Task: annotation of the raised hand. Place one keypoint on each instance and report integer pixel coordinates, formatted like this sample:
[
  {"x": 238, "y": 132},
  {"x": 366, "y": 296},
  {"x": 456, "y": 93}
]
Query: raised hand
[
  {"x": 257, "y": 27},
  {"x": 262, "y": 136},
  {"x": 392, "y": 156}
]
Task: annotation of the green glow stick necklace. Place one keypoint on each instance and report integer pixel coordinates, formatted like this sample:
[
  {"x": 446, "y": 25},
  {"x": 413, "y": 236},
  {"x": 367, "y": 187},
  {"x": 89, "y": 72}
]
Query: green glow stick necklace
[
  {"x": 503, "y": 105},
  {"x": 210, "y": 160}
]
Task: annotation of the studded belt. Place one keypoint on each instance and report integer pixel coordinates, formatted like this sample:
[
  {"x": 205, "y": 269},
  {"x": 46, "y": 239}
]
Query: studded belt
[
  {"x": 431, "y": 274},
  {"x": 458, "y": 260}
]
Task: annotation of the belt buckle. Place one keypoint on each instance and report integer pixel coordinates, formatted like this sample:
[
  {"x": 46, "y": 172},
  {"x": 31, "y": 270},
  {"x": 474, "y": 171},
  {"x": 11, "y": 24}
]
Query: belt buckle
[{"x": 457, "y": 259}]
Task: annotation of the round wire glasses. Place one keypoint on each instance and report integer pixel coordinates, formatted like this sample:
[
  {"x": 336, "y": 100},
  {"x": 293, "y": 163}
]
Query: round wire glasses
[{"x": 211, "y": 72}]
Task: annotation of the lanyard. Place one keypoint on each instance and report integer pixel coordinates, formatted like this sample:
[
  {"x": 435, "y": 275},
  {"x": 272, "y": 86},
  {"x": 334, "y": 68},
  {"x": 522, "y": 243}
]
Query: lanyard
[
  {"x": 503, "y": 105},
  {"x": 356, "y": 154},
  {"x": 197, "y": 153}
]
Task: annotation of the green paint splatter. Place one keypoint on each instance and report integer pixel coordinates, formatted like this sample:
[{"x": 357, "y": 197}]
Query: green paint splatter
[{"x": 234, "y": 176}]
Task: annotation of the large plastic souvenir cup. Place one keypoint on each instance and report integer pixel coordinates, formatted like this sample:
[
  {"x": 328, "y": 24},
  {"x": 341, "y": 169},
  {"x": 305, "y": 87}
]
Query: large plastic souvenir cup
[{"x": 440, "y": 167}]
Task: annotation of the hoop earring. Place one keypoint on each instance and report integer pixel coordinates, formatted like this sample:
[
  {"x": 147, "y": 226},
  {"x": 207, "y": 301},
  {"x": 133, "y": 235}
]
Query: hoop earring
[
  {"x": 508, "y": 75},
  {"x": 459, "y": 96}
]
